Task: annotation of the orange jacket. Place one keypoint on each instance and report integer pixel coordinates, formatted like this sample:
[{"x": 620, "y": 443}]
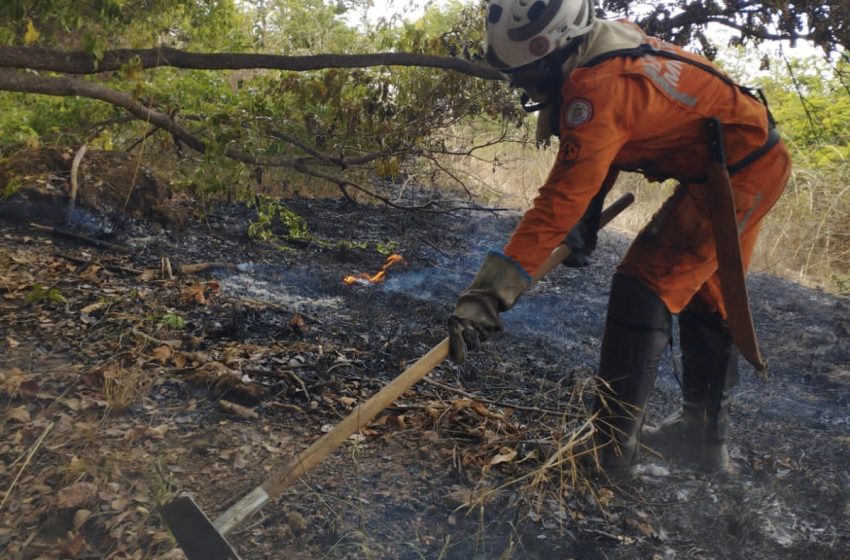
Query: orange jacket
[{"x": 644, "y": 113}]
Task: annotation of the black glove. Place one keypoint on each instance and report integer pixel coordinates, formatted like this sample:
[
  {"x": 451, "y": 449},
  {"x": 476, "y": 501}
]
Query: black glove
[
  {"x": 498, "y": 285},
  {"x": 583, "y": 237}
]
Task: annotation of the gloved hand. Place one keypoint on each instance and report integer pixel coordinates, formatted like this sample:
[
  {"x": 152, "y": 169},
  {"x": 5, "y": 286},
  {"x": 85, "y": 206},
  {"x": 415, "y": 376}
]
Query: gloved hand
[
  {"x": 498, "y": 285},
  {"x": 582, "y": 246},
  {"x": 582, "y": 239}
]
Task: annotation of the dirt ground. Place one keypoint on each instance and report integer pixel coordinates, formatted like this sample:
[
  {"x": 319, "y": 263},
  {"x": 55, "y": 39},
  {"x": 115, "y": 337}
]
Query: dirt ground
[{"x": 118, "y": 388}]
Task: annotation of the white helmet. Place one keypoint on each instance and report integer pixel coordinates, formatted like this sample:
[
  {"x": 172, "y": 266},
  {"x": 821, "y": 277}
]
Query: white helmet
[{"x": 520, "y": 32}]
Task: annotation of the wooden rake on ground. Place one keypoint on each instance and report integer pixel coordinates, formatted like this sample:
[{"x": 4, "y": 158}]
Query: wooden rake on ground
[{"x": 204, "y": 539}]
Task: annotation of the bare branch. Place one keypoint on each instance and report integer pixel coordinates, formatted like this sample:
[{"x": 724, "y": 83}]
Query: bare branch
[
  {"x": 804, "y": 102},
  {"x": 304, "y": 147},
  {"x": 503, "y": 135},
  {"x": 81, "y": 62},
  {"x": 451, "y": 175},
  {"x": 431, "y": 206},
  {"x": 342, "y": 183}
]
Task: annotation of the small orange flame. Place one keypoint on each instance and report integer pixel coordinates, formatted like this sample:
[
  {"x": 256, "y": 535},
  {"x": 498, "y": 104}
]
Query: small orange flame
[{"x": 365, "y": 279}]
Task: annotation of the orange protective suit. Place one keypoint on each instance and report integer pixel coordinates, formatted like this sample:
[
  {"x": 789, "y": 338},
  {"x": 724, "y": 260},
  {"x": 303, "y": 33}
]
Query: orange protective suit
[{"x": 647, "y": 113}]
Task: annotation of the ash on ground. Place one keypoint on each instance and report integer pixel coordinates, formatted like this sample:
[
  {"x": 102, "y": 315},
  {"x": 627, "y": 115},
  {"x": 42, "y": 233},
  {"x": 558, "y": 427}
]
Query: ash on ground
[{"x": 449, "y": 470}]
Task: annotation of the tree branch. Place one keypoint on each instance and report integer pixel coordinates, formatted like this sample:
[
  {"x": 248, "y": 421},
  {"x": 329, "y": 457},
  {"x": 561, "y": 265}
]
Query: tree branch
[
  {"x": 11, "y": 80},
  {"x": 28, "y": 83},
  {"x": 430, "y": 206},
  {"x": 80, "y": 62}
]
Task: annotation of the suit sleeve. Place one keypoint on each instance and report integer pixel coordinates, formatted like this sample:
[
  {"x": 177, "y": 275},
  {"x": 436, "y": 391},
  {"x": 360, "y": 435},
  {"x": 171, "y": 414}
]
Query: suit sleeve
[{"x": 594, "y": 126}]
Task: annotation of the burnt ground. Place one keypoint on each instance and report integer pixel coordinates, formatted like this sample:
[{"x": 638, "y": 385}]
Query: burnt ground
[{"x": 113, "y": 401}]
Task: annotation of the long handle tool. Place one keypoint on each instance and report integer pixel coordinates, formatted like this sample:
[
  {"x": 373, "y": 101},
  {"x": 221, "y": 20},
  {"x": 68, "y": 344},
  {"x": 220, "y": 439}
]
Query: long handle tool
[{"x": 203, "y": 539}]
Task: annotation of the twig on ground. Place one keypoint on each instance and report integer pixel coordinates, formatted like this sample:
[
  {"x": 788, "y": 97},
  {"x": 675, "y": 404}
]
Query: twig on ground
[
  {"x": 202, "y": 266},
  {"x": 78, "y": 237},
  {"x": 495, "y": 403},
  {"x": 157, "y": 341},
  {"x": 262, "y": 519},
  {"x": 238, "y": 409},
  {"x": 174, "y": 344},
  {"x": 261, "y": 303},
  {"x": 287, "y": 406},
  {"x": 251, "y": 302},
  {"x": 26, "y": 462},
  {"x": 165, "y": 268},
  {"x": 283, "y": 374},
  {"x": 604, "y": 534},
  {"x": 434, "y": 246},
  {"x": 294, "y": 377}
]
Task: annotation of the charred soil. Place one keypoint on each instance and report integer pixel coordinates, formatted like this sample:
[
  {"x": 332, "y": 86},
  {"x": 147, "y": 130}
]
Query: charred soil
[{"x": 122, "y": 384}]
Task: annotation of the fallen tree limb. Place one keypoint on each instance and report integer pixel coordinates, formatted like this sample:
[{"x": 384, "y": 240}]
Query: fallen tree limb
[
  {"x": 81, "y": 62},
  {"x": 79, "y": 237}
]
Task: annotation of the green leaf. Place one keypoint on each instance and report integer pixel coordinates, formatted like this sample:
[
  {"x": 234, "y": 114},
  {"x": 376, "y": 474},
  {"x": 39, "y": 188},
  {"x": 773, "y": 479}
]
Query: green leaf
[
  {"x": 31, "y": 35},
  {"x": 12, "y": 186},
  {"x": 387, "y": 248},
  {"x": 172, "y": 320},
  {"x": 40, "y": 293},
  {"x": 92, "y": 45}
]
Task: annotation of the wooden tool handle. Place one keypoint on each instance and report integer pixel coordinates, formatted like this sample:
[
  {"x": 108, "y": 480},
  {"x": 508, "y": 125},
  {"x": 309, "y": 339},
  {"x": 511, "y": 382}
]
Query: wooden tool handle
[{"x": 359, "y": 417}]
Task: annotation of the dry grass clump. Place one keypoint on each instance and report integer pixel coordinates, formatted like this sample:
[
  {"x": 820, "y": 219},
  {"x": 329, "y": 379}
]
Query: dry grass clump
[
  {"x": 559, "y": 464},
  {"x": 807, "y": 235}
]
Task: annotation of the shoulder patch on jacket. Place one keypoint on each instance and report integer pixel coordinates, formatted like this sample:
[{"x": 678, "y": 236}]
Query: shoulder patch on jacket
[{"x": 578, "y": 111}]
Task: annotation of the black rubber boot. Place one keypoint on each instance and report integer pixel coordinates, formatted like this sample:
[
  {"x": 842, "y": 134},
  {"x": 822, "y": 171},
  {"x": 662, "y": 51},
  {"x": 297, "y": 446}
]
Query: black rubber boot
[
  {"x": 725, "y": 376},
  {"x": 696, "y": 436},
  {"x": 680, "y": 436},
  {"x": 637, "y": 330}
]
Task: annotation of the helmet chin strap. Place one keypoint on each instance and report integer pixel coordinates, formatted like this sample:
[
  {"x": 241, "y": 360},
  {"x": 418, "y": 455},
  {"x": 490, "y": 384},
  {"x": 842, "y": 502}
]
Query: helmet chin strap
[
  {"x": 524, "y": 101},
  {"x": 551, "y": 82}
]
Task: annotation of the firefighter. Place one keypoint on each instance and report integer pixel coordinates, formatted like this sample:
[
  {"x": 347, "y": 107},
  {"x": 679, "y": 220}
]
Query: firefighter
[{"x": 618, "y": 99}]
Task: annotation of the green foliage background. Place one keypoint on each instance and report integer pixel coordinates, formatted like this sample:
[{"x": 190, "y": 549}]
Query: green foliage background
[
  {"x": 413, "y": 116},
  {"x": 811, "y": 224},
  {"x": 396, "y": 111}
]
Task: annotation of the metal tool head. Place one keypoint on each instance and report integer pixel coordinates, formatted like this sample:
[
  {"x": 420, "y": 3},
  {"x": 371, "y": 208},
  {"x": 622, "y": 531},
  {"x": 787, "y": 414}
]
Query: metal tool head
[{"x": 195, "y": 532}]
